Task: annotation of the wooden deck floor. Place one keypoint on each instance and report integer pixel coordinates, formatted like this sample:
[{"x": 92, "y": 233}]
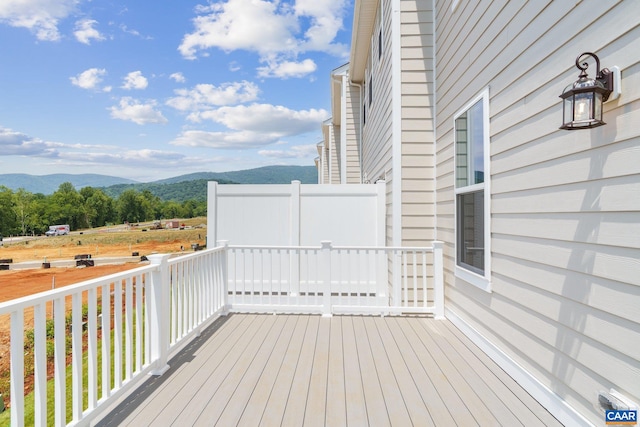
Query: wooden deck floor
[{"x": 295, "y": 370}]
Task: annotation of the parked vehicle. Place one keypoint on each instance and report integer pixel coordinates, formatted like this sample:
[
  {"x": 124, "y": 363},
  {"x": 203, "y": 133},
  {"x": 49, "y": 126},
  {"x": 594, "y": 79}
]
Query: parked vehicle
[{"x": 58, "y": 230}]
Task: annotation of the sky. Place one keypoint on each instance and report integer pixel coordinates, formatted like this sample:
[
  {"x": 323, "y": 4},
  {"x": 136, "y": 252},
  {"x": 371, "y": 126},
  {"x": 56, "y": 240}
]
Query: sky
[{"x": 147, "y": 90}]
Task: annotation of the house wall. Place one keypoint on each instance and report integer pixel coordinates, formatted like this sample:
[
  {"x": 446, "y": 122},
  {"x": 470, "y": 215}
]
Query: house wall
[
  {"x": 377, "y": 130},
  {"x": 565, "y": 229},
  {"x": 418, "y": 160},
  {"x": 352, "y": 125},
  {"x": 336, "y": 153}
]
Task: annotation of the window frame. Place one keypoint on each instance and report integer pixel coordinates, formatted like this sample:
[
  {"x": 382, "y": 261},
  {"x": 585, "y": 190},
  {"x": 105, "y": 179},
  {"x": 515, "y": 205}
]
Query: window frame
[{"x": 480, "y": 280}]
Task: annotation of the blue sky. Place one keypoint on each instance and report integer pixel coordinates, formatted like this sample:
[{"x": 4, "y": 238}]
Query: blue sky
[{"x": 153, "y": 89}]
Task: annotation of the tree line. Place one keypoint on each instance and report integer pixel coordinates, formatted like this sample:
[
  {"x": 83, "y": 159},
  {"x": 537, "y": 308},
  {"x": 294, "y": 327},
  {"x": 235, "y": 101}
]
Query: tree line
[{"x": 25, "y": 213}]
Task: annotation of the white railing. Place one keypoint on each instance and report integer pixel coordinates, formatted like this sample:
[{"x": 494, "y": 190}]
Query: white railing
[
  {"x": 120, "y": 328},
  {"x": 339, "y": 279},
  {"x": 115, "y": 329}
]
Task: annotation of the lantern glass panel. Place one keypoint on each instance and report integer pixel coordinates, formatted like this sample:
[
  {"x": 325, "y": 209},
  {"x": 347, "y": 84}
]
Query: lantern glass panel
[
  {"x": 568, "y": 109},
  {"x": 583, "y": 107},
  {"x": 598, "y": 107}
]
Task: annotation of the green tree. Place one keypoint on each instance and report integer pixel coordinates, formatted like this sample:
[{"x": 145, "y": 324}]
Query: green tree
[
  {"x": 8, "y": 218},
  {"x": 66, "y": 207},
  {"x": 133, "y": 207},
  {"x": 172, "y": 210},
  {"x": 98, "y": 207},
  {"x": 154, "y": 203},
  {"x": 23, "y": 209}
]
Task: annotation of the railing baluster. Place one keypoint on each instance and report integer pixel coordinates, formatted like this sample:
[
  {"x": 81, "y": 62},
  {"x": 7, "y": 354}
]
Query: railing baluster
[
  {"x": 92, "y": 348},
  {"x": 76, "y": 355},
  {"x": 60, "y": 365},
  {"x": 128, "y": 329},
  {"x": 405, "y": 284},
  {"x": 175, "y": 301},
  {"x": 17, "y": 368},
  {"x": 138, "y": 303},
  {"x": 106, "y": 340},
  {"x": 117, "y": 333},
  {"x": 424, "y": 280},
  {"x": 40, "y": 364},
  {"x": 415, "y": 280}
]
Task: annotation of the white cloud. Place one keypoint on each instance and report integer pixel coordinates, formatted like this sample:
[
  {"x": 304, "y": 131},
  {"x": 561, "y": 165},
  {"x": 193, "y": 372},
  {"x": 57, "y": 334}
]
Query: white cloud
[
  {"x": 204, "y": 96},
  {"x": 224, "y": 140},
  {"x": 39, "y": 16},
  {"x": 85, "y": 32},
  {"x": 135, "y": 80},
  {"x": 288, "y": 69},
  {"x": 178, "y": 77},
  {"x": 326, "y": 20},
  {"x": 285, "y": 31},
  {"x": 14, "y": 143},
  {"x": 89, "y": 79},
  {"x": 233, "y": 25},
  {"x": 130, "y": 109},
  {"x": 252, "y": 126},
  {"x": 296, "y": 152},
  {"x": 267, "y": 118}
]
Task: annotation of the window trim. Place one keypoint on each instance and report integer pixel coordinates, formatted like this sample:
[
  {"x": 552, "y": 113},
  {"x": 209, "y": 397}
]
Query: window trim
[{"x": 482, "y": 281}]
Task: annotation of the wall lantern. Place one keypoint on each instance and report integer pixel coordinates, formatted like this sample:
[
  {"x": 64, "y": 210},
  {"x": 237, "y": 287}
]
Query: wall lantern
[{"x": 582, "y": 100}]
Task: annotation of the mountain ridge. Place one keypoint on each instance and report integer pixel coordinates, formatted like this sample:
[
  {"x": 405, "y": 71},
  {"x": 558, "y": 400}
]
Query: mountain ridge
[{"x": 48, "y": 184}]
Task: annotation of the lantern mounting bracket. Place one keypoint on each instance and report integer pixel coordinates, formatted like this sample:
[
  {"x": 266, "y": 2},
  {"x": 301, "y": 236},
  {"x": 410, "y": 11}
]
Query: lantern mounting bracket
[{"x": 604, "y": 76}]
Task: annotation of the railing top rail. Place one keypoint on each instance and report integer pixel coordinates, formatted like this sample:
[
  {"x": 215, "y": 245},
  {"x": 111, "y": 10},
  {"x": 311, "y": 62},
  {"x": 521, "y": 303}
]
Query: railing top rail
[
  {"x": 361, "y": 248},
  {"x": 42, "y": 297},
  {"x": 284, "y": 248},
  {"x": 386, "y": 248},
  {"x": 195, "y": 255}
]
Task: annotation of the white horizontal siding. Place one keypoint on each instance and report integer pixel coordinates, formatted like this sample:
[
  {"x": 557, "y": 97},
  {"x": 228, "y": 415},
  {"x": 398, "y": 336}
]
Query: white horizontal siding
[{"x": 565, "y": 206}]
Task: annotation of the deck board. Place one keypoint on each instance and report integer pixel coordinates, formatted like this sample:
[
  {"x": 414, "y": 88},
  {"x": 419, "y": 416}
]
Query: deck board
[
  {"x": 526, "y": 403},
  {"x": 243, "y": 389},
  {"x": 354, "y": 392},
  {"x": 394, "y": 400},
  {"x": 336, "y": 405},
  {"x": 260, "y": 394},
  {"x": 377, "y": 411},
  {"x": 292, "y": 370},
  {"x": 296, "y": 403},
  {"x": 277, "y": 402},
  {"x": 426, "y": 369},
  {"x": 477, "y": 407}
]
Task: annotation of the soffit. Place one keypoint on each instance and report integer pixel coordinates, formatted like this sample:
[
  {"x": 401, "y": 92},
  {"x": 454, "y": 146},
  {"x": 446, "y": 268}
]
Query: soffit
[{"x": 364, "y": 16}]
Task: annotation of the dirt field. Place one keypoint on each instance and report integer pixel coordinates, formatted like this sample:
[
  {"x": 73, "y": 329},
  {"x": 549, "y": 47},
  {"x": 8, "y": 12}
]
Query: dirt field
[{"x": 19, "y": 283}]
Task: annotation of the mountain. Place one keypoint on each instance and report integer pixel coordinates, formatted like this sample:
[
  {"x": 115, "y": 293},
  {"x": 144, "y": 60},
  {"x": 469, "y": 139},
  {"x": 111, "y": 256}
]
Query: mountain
[
  {"x": 263, "y": 175},
  {"x": 194, "y": 186},
  {"x": 176, "y": 191},
  {"x": 179, "y": 188},
  {"x": 47, "y": 184}
]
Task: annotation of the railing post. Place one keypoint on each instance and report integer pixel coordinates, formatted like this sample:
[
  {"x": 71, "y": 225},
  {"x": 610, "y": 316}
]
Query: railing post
[
  {"x": 438, "y": 280},
  {"x": 225, "y": 275},
  {"x": 294, "y": 256},
  {"x": 396, "y": 277},
  {"x": 159, "y": 328},
  {"x": 326, "y": 285}
]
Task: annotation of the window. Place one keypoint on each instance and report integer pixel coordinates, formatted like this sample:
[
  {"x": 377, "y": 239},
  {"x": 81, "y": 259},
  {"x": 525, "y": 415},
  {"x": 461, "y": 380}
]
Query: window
[
  {"x": 380, "y": 44},
  {"x": 472, "y": 192},
  {"x": 370, "y": 90}
]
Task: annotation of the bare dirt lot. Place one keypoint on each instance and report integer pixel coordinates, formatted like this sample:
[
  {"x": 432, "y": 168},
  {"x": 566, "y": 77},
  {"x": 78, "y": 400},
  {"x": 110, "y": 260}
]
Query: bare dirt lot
[{"x": 116, "y": 242}]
